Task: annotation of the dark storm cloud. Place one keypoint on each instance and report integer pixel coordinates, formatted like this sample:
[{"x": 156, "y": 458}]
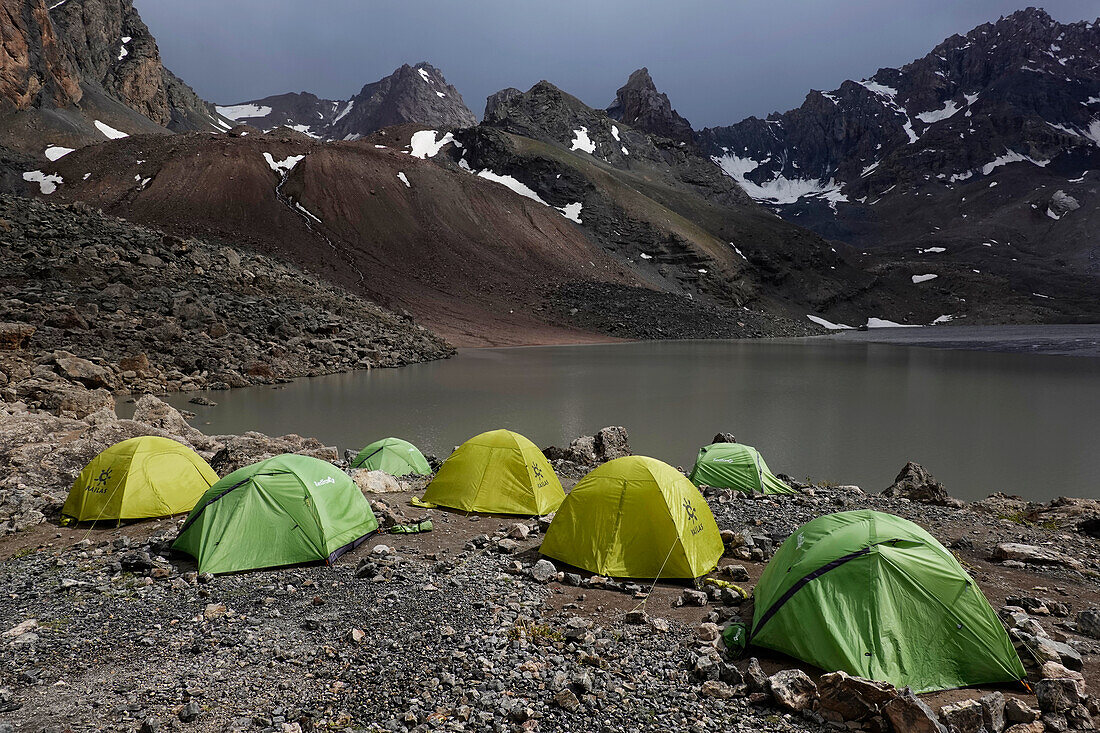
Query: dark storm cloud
[{"x": 718, "y": 60}]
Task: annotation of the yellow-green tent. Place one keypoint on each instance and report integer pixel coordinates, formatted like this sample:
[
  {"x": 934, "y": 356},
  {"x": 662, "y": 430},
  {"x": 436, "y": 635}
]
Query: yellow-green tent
[
  {"x": 499, "y": 472},
  {"x": 635, "y": 517},
  {"x": 140, "y": 477}
]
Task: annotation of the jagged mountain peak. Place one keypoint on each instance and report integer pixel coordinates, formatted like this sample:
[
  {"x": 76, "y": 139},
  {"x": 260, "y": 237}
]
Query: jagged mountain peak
[
  {"x": 639, "y": 104},
  {"x": 412, "y": 93}
]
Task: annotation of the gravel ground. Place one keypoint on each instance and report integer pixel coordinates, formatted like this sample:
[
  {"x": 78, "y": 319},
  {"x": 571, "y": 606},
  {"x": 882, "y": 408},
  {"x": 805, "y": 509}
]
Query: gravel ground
[{"x": 440, "y": 631}]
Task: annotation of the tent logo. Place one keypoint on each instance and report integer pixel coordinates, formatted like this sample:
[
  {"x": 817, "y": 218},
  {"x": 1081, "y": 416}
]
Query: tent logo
[
  {"x": 723, "y": 460},
  {"x": 801, "y": 539},
  {"x": 537, "y": 470},
  {"x": 99, "y": 483},
  {"x": 692, "y": 514},
  {"x": 322, "y": 482}
]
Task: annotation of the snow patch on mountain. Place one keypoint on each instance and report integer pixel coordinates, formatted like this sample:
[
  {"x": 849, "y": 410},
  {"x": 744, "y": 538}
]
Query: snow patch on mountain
[
  {"x": 1011, "y": 156},
  {"x": 109, "y": 132},
  {"x": 284, "y": 166},
  {"x": 936, "y": 115},
  {"x": 47, "y": 182},
  {"x": 424, "y": 144},
  {"x": 581, "y": 141},
  {"x": 780, "y": 189},
  {"x": 243, "y": 111}
]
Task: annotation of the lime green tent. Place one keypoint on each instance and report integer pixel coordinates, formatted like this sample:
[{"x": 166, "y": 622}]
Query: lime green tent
[
  {"x": 876, "y": 596},
  {"x": 394, "y": 456},
  {"x": 736, "y": 466},
  {"x": 499, "y": 472},
  {"x": 635, "y": 517},
  {"x": 286, "y": 510},
  {"x": 141, "y": 477}
]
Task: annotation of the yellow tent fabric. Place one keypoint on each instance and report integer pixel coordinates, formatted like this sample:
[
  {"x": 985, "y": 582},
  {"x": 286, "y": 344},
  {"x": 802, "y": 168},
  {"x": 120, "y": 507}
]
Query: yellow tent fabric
[
  {"x": 500, "y": 472},
  {"x": 141, "y": 477},
  {"x": 635, "y": 517}
]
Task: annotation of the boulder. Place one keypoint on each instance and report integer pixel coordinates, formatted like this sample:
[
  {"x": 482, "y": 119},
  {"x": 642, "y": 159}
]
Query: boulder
[
  {"x": 792, "y": 689},
  {"x": 1034, "y": 554},
  {"x": 242, "y": 450},
  {"x": 1057, "y": 696},
  {"x": 724, "y": 438},
  {"x": 610, "y": 443},
  {"x": 993, "y": 711},
  {"x": 1048, "y": 650},
  {"x": 915, "y": 483},
  {"x": 376, "y": 482},
  {"x": 909, "y": 714},
  {"x": 964, "y": 716},
  {"x": 157, "y": 413},
  {"x": 842, "y": 697},
  {"x": 1088, "y": 622},
  {"x": 76, "y": 369},
  {"x": 1017, "y": 711},
  {"x": 14, "y": 335}
]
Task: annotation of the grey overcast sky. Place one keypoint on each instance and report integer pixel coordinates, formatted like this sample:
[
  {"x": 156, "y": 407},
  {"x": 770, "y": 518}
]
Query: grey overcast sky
[{"x": 718, "y": 60}]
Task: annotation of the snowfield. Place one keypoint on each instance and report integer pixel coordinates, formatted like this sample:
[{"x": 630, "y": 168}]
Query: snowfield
[{"x": 243, "y": 111}]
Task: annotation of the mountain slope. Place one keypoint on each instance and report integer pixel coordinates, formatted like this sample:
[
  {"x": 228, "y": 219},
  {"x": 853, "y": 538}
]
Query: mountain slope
[
  {"x": 82, "y": 71},
  {"x": 982, "y": 157},
  {"x": 411, "y": 94}
]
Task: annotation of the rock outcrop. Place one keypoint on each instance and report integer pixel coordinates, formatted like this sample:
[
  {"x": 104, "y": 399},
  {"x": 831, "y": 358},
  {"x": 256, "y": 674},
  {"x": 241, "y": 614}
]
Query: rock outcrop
[
  {"x": 35, "y": 70},
  {"x": 640, "y": 105},
  {"x": 111, "y": 47}
]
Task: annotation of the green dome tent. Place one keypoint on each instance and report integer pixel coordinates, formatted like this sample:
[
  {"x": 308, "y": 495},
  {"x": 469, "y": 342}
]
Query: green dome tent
[
  {"x": 500, "y": 472},
  {"x": 394, "y": 456},
  {"x": 876, "y": 596},
  {"x": 736, "y": 466},
  {"x": 147, "y": 476},
  {"x": 635, "y": 517},
  {"x": 286, "y": 510}
]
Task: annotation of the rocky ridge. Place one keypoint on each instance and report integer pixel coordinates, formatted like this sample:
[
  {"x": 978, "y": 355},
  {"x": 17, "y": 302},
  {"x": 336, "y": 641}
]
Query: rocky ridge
[
  {"x": 92, "y": 306},
  {"x": 981, "y": 156},
  {"x": 411, "y": 94}
]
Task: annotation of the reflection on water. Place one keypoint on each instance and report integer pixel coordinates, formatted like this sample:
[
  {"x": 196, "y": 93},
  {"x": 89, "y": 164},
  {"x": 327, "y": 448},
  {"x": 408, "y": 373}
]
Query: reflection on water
[{"x": 841, "y": 412}]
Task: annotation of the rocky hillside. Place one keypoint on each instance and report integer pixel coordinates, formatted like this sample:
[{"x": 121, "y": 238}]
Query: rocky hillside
[
  {"x": 82, "y": 71},
  {"x": 411, "y": 94},
  {"x": 981, "y": 157},
  {"x": 91, "y": 305}
]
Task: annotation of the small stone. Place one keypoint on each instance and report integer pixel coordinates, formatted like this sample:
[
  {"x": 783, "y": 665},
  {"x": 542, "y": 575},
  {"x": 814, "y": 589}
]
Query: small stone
[
  {"x": 190, "y": 712},
  {"x": 717, "y": 690},
  {"x": 214, "y": 610},
  {"x": 691, "y": 597},
  {"x": 1057, "y": 696},
  {"x": 708, "y": 632},
  {"x": 542, "y": 571},
  {"x": 519, "y": 531},
  {"x": 568, "y": 701}
]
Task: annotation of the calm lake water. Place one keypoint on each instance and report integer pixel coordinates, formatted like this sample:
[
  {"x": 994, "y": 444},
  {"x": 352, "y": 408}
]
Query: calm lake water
[{"x": 850, "y": 413}]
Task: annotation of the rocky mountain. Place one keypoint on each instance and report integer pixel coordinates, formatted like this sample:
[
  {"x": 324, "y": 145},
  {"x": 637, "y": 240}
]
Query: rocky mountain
[
  {"x": 640, "y": 105},
  {"x": 411, "y": 94},
  {"x": 82, "y": 71},
  {"x": 982, "y": 157}
]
